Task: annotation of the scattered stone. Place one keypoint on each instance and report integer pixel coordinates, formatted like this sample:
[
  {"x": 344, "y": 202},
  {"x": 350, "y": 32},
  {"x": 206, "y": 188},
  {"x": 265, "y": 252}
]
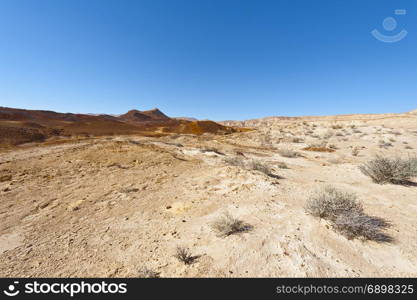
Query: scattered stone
[{"x": 4, "y": 178}]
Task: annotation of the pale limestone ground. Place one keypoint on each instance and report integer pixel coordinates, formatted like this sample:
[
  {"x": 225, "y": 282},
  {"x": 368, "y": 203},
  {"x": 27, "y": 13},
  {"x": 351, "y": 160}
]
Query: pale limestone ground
[{"x": 110, "y": 206}]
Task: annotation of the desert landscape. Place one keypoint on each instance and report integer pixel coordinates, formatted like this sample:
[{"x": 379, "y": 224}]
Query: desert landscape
[{"x": 146, "y": 195}]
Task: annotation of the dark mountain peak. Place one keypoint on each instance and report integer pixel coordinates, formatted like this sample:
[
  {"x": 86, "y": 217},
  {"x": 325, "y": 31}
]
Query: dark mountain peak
[
  {"x": 147, "y": 115},
  {"x": 155, "y": 114},
  {"x": 134, "y": 115}
]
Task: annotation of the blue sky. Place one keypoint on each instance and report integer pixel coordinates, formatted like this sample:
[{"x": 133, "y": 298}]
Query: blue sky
[{"x": 230, "y": 59}]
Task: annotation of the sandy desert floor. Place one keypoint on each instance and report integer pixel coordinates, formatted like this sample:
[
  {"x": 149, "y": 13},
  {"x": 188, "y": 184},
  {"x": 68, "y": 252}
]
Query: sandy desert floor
[{"x": 111, "y": 206}]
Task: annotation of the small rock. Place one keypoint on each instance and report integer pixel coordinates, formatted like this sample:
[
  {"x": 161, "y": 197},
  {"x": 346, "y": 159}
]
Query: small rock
[{"x": 4, "y": 178}]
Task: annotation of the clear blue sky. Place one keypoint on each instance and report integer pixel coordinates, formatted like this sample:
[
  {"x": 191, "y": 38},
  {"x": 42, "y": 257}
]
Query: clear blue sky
[{"x": 229, "y": 59}]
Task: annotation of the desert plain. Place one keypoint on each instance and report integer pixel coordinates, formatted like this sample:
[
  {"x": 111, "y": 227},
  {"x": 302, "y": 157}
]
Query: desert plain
[{"x": 121, "y": 205}]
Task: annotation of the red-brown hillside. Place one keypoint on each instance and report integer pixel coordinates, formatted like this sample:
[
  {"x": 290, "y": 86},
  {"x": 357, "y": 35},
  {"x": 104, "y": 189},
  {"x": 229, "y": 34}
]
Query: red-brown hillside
[{"x": 19, "y": 126}]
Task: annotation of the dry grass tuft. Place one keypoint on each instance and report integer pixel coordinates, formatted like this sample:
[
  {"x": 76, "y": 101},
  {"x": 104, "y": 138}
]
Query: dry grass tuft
[
  {"x": 330, "y": 202},
  {"x": 259, "y": 166},
  {"x": 228, "y": 225},
  {"x": 144, "y": 272},
  {"x": 384, "y": 144},
  {"x": 251, "y": 165},
  {"x": 296, "y": 140},
  {"x": 328, "y": 134},
  {"x": 184, "y": 255},
  {"x": 235, "y": 161},
  {"x": 287, "y": 152},
  {"x": 282, "y": 165},
  {"x": 346, "y": 214},
  {"x": 357, "y": 224},
  {"x": 390, "y": 170},
  {"x": 318, "y": 149}
]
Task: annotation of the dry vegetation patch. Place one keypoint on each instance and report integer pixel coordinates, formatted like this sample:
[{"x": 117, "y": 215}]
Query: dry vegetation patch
[
  {"x": 145, "y": 272},
  {"x": 319, "y": 149},
  {"x": 228, "y": 225},
  {"x": 252, "y": 164},
  {"x": 346, "y": 214},
  {"x": 390, "y": 170},
  {"x": 287, "y": 152},
  {"x": 184, "y": 255},
  {"x": 259, "y": 166}
]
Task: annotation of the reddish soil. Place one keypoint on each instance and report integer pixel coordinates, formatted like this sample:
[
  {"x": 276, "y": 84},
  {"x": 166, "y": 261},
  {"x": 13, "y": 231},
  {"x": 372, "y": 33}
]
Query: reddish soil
[
  {"x": 318, "y": 149},
  {"x": 19, "y": 126}
]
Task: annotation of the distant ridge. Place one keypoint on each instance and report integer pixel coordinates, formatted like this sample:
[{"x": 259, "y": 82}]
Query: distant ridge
[
  {"x": 186, "y": 118},
  {"x": 19, "y": 126}
]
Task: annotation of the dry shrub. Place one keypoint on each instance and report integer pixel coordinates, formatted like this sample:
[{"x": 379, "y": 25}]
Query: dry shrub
[
  {"x": 287, "y": 152},
  {"x": 330, "y": 202},
  {"x": 384, "y": 144},
  {"x": 390, "y": 170},
  {"x": 184, "y": 255},
  {"x": 328, "y": 134},
  {"x": 259, "y": 166},
  {"x": 228, "y": 225},
  {"x": 320, "y": 144},
  {"x": 144, "y": 272},
  {"x": 296, "y": 140},
  {"x": 318, "y": 149},
  {"x": 252, "y": 165},
  {"x": 346, "y": 214},
  {"x": 357, "y": 224},
  {"x": 234, "y": 161},
  {"x": 282, "y": 165}
]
